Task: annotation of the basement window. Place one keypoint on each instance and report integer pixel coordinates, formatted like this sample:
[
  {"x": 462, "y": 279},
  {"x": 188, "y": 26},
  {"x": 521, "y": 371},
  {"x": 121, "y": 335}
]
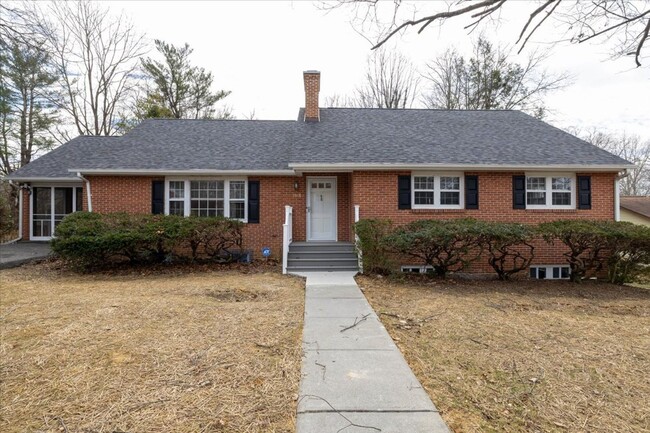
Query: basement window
[
  {"x": 553, "y": 272},
  {"x": 415, "y": 269}
]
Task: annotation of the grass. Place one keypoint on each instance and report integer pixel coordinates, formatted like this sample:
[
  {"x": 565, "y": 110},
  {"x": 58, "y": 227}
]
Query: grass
[
  {"x": 524, "y": 356},
  {"x": 178, "y": 351}
]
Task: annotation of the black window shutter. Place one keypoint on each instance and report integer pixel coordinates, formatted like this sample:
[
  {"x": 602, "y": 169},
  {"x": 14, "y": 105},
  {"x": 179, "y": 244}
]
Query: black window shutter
[
  {"x": 584, "y": 192},
  {"x": 404, "y": 192},
  {"x": 471, "y": 192},
  {"x": 158, "y": 197},
  {"x": 519, "y": 192},
  {"x": 253, "y": 201}
]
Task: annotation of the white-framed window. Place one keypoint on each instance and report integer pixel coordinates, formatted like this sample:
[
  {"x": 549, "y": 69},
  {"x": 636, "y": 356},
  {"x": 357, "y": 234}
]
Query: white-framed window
[
  {"x": 551, "y": 272},
  {"x": 415, "y": 269},
  {"x": 555, "y": 191},
  {"x": 176, "y": 196},
  {"x": 207, "y": 197},
  {"x": 437, "y": 190}
]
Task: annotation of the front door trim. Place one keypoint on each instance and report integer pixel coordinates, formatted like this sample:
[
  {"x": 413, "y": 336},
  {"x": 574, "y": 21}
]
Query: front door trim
[{"x": 309, "y": 180}]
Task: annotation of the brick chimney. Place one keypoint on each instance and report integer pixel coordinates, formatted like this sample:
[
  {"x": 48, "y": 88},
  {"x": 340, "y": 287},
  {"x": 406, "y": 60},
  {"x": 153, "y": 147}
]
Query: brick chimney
[{"x": 312, "y": 87}]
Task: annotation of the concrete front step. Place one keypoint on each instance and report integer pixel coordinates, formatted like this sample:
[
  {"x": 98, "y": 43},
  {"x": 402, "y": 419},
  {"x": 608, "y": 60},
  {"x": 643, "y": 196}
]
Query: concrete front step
[
  {"x": 342, "y": 247},
  {"x": 322, "y": 268},
  {"x": 322, "y": 256},
  {"x": 343, "y": 261}
]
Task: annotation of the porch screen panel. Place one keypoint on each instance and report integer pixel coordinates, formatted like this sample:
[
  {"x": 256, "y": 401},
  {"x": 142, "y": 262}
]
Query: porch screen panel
[
  {"x": 62, "y": 204},
  {"x": 42, "y": 212},
  {"x": 79, "y": 199}
]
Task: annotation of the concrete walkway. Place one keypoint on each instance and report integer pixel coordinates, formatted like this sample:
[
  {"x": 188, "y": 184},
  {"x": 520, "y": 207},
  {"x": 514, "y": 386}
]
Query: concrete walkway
[
  {"x": 18, "y": 253},
  {"x": 354, "y": 378}
]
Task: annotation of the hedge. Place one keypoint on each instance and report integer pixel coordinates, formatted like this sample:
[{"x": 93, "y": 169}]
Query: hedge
[
  {"x": 623, "y": 249},
  {"x": 92, "y": 240}
]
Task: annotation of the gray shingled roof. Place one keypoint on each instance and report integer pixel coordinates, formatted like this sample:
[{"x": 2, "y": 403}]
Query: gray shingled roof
[
  {"x": 80, "y": 151},
  {"x": 343, "y": 136},
  {"x": 378, "y": 136}
]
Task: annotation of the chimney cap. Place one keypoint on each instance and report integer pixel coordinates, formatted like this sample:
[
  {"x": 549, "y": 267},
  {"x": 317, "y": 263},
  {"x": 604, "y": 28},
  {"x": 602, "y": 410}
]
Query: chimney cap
[{"x": 311, "y": 71}]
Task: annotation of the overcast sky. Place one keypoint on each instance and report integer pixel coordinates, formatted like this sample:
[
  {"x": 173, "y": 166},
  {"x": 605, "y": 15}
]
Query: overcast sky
[{"x": 258, "y": 50}]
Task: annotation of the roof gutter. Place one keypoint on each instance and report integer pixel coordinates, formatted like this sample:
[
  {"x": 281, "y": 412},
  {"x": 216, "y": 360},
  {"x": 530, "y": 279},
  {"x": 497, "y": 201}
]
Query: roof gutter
[
  {"x": 88, "y": 194},
  {"x": 158, "y": 172},
  {"x": 44, "y": 179},
  {"x": 338, "y": 167}
]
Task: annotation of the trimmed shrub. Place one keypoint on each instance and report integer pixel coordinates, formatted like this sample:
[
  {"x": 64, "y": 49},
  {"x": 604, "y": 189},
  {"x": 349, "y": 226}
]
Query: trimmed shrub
[
  {"x": 443, "y": 245},
  {"x": 508, "y": 246},
  {"x": 588, "y": 243},
  {"x": 630, "y": 252},
  {"x": 372, "y": 234},
  {"x": 214, "y": 237},
  {"x": 92, "y": 240}
]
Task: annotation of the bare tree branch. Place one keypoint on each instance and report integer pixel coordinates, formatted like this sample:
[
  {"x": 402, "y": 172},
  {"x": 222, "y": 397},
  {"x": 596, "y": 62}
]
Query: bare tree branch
[{"x": 627, "y": 20}]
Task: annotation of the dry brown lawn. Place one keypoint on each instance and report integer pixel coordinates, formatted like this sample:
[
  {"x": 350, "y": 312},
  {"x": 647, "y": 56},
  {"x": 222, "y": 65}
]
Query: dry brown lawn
[
  {"x": 166, "y": 351},
  {"x": 524, "y": 356}
]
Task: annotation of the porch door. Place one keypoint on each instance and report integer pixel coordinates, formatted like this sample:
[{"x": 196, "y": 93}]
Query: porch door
[
  {"x": 321, "y": 209},
  {"x": 49, "y": 206}
]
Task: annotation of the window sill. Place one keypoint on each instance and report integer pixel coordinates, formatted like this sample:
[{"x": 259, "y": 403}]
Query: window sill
[
  {"x": 550, "y": 210},
  {"x": 437, "y": 210}
]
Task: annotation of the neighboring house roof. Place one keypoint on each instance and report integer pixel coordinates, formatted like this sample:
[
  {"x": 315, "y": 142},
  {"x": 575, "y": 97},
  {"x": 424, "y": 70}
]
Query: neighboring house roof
[
  {"x": 637, "y": 204},
  {"x": 344, "y": 136}
]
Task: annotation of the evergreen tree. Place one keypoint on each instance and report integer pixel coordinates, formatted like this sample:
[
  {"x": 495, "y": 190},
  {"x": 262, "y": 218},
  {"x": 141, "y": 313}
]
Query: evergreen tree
[
  {"x": 26, "y": 111},
  {"x": 180, "y": 90}
]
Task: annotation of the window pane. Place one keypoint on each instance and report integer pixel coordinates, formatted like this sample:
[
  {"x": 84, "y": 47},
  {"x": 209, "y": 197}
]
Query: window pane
[
  {"x": 177, "y": 207},
  {"x": 565, "y": 272},
  {"x": 536, "y": 183},
  {"x": 237, "y": 209},
  {"x": 450, "y": 183},
  {"x": 237, "y": 189},
  {"x": 449, "y": 197},
  {"x": 206, "y": 208},
  {"x": 423, "y": 182},
  {"x": 556, "y": 272},
  {"x": 533, "y": 272},
  {"x": 176, "y": 189},
  {"x": 561, "y": 183},
  {"x": 423, "y": 197},
  {"x": 541, "y": 273},
  {"x": 536, "y": 198},
  {"x": 561, "y": 198}
]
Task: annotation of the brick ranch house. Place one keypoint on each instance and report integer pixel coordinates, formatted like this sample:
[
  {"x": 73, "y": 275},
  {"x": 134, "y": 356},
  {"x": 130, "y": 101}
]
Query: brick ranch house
[{"x": 306, "y": 181}]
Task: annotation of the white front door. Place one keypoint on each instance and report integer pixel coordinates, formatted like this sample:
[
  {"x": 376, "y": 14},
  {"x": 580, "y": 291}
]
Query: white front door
[{"x": 321, "y": 209}]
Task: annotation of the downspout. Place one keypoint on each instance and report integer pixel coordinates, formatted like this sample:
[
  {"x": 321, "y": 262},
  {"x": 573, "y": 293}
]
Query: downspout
[
  {"x": 617, "y": 195},
  {"x": 88, "y": 194},
  {"x": 20, "y": 212}
]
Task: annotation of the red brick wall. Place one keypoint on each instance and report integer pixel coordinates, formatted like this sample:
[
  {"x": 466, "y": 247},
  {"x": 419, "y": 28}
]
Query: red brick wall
[
  {"x": 376, "y": 193},
  {"x": 130, "y": 194}
]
